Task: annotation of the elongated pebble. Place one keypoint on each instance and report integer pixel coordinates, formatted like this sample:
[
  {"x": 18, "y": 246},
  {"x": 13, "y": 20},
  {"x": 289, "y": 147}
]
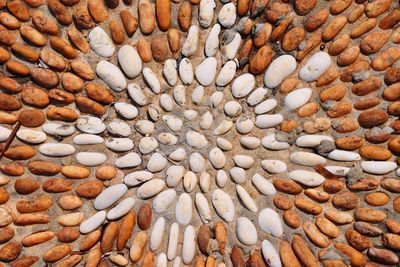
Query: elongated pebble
[
  {"x": 129, "y": 160},
  {"x": 268, "y": 121},
  {"x": 137, "y": 177},
  {"x": 278, "y": 70},
  {"x": 170, "y": 71},
  {"x": 157, "y": 234},
  {"x": 31, "y": 136},
  {"x": 270, "y": 222},
  {"x": 270, "y": 254},
  {"x": 109, "y": 196},
  {"x": 189, "y": 47},
  {"x": 226, "y": 74},
  {"x": 203, "y": 208},
  {"x": 90, "y": 158},
  {"x": 343, "y": 155},
  {"x": 150, "y": 188},
  {"x": 265, "y": 106},
  {"x": 130, "y": 61},
  {"x": 184, "y": 209},
  {"x": 246, "y": 198},
  {"x": 307, "y": 178},
  {"x": 90, "y": 125},
  {"x": 56, "y": 149},
  {"x": 173, "y": 240},
  {"x": 338, "y": 170},
  {"x": 87, "y": 139},
  {"x": 164, "y": 200},
  {"x": 246, "y": 231},
  {"x": 273, "y": 166},
  {"x": 315, "y": 66},
  {"x": 152, "y": 80},
  {"x": 312, "y": 140},
  {"x": 205, "y": 72},
  {"x": 223, "y": 205},
  {"x": 100, "y": 42},
  {"x": 307, "y": 158},
  {"x": 270, "y": 142},
  {"x": 119, "y": 144},
  {"x": 93, "y": 222},
  {"x": 263, "y": 185},
  {"x": 111, "y": 75},
  {"x": 126, "y": 110},
  {"x": 212, "y": 42},
  {"x": 243, "y": 85},
  {"x": 378, "y": 167},
  {"x": 189, "y": 244},
  {"x": 121, "y": 209}
]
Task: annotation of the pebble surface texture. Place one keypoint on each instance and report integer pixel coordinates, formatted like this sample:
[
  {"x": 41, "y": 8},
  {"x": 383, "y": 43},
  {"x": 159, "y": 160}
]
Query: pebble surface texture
[{"x": 206, "y": 133}]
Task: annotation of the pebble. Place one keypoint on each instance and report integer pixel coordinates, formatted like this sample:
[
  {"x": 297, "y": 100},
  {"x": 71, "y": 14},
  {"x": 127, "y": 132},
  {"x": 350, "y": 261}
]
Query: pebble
[
  {"x": 226, "y": 74},
  {"x": 184, "y": 209},
  {"x": 147, "y": 145},
  {"x": 315, "y": 66},
  {"x": 156, "y": 163},
  {"x": 257, "y": 96},
  {"x": 273, "y": 166},
  {"x": 4, "y": 133},
  {"x": 243, "y": 85},
  {"x": 90, "y": 125},
  {"x": 173, "y": 240},
  {"x": 173, "y": 122},
  {"x": 137, "y": 177},
  {"x": 270, "y": 222},
  {"x": 223, "y": 205},
  {"x": 121, "y": 209},
  {"x": 31, "y": 136},
  {"x": 129, "y": 160},
  {"x": 126, "y": 110},
  {"x": 343, "y": 155},
  {"x": 230, "y": 48},
  {"x": 178, "y": 154},
  {"x": 265, "y": 106},
  {"x": 238, "y": 175},
  {"x": 263, "y": 185},
  {"x": 100, "y": 42},
  {"x": 307, "y": 159},
  {"x": 189, "y": 244},
  {"x": 196, "y": 162},
  {"x": 312, "y": 140},
  {"x": 157, "y": 235},
  {"x": 119, "y": 128},
  {"x": 307, "y": 178},
  {"x": 205, "y": 71},
  {"x": 87, "y": 139},
  {"x": 246, "y": 199},
  {"x": 144, "y": 127},
  {"x": 203, "y": 208},
  {"x": 217, "y": 158},
  {"x": 378, "y": 167},
  {"x": 270, "y": 142},
  {"x": 167, "y": 139},
  {"x": 150, "y": 188},
  {"x": 206, "y": 12},
  {"x": 268, "y": 121},
  {"x": 244, "y": 125},
  {"x": 278, "y": 70},
  {"x": 164, "y": 200},
  {"x": 174, "y": 175},
  {"x": 189, "y": 47},
  {"x": 212, "y": 42},
  {"x": 111, "y": 75},
  {"x": 56, "y": 149},
  {"x": 90, "y": 158},
  {"x": 152, "y": 80},
  {"x": 250, "y": 142},
  {"x": 246, "y": 231},
  {"x": 222, "y": 178},
  {"x": 130, "y": 61},
  {"x": 137, "y": 95},
  {"x": 93, "y": 222},
  {"x": 186, "y": 71},
  {"x": 119, "y": 144},
  {"x": 270, "y": 255},
  {"x": 170, "y": 71},
  {"x": 109, "y": 196},
  {"x": 227, "y": 15},
  {"x": 297, "y": 98}
]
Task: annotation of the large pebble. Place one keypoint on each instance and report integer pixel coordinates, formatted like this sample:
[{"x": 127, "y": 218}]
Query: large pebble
[
  {"x": 129, "y": 160},
  {"x": 137, "y": 177},
  {"x": 227, "y": 15},
  {"x": 243, "y": 85},
  {"x": 196, "y": 140},
  {"x": 87, "y": 139},
  {"x": 137, "y": 95},
  {"x": 270, "y": 142},
  {"x": 263, "y": 185},
  {"x": 270, "y": 255},
  {"x": 246, "y": 231},
  {"x": 343, "y": 155},
  {"x": 206, "y": 12},
  {"x": 212, "y": 43},
  {"x": 378, "y": 167},
  {"x": 93, "y": 222},
  {"x": 150, "y": 188},
  {"x": 186, "y": 71},
  {"x": 189, "y": 47},
  {"x": 90, "y": 125},
  {"x": 189, "y": 244},
  {"x": 184, "y": 209},
  {"x": 164, "y": 200},
  {"x": 270, "y": 222},
  {"x": 173, "y": 241},
  {"x": 217, "y": 158},
  {"x": 196, "y": 162},
  {"x": 312, "y": 140},
  {"x": 246, "y": 199},
  {"x": 279, "y": 69},
  {"x": 121, "y": 209},
  {"x": 223, "y": 205},
  {"x": 109, "y": 196},
  {"x": 119, "y": 128},
  {"x": 174, "y": 175},
  {"x": 231, "y": 43},
  {"x": 297, "y": 98},
  {"x": 119, "y": 144},
  {"x": 306, "y": 178},
  {"x": 315, "y": 66},
  {"x": 170, "y": 71},
  {"x": 157, "y": 234},
  {"x": 111, "y": 75},
  {"x": 227, "y": 73},
  {"x": 157, "y": 162},
  {"x": 90, "y": 158},
  {"x": 101, "y": 43},
  {"x": 126, "y": 110},
  {"x": 307, "y": 158},
  {"x": 152, "y": 80},
  {"x": 56, "y": 149},
  {"x": 203, "y": 208},
  {"x": 257, "y": 96},
  {"x": 31, "y": 136},
  {"x": 206, "y": 70},
  {"x": 268, "y": 121},
  {"x": 130, "y": 61},
  {"x": 273, "y": 166}
]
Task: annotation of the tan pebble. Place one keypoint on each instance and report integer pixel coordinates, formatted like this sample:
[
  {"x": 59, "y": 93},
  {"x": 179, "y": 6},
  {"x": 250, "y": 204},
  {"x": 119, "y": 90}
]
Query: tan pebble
[
  {"x": 356, "y": 258},
  {"x": 327, "y": 227},
  {"x": 328, "y": 76},
  {"x": 125, "y": 230},
  {"x": 357, "y": 240},
  {"x": 185, "y": 15},
  {"x": 237, "y": 257},
  {"x": 97, "y": 10},
  {"x": 90, "y": 189},
  {"x": 303, "y": 7},
  {"x": 6, "y": 233},
  {"x": 317, "y": 195},
  {"x": 68, "y": 234},
  {"x": 307, "y": 110},
  {"x": 106, "y": 172},
  {"x": 375, "y": 152},
  {"x": 21, "y": 152},
  {"x": 109, "y": 237},
  {"x": 10, "y": 251},
  {"x": 146, "y": 17},
  {"x": 340, "y": 109},
  {"x": 338, "y": 6},
  {"x": 261, "y": 59},
  {"x": 99, "y": 93},
  {"x": 287, "y": 255},
  {"x": 13, "y": 169},
  {"x": 349, "y": 55},
  {"x": 129, "y": 21},
  {"x": 40, "y": 167},
  {"x": 292, "y": 39},
  {"x": 356, "y": 13},
  {"x": 41, "y": 203},
  {"x": 282, "y": 202},
  {"x": 316, "y": 20},
  {"x": 308, "y": 206},
  {"x": 144, "y": 216},
  {"x": 377, "y": 198},
  {"x": 75, "y": 172},
  {"x": 333, "y": 28},
  {"x": 391, "y": 241},
  {"x": 57, "y": 185},
  {"x": 31, "y": 218},
  {"x": 144, "y": 50},
  {"x": 371, "y": 118},
  {"x": 349, "y": 143},
  {"x": 159, "y": 48},
  {"x": 34, "y": 96},
  {"x": 377, "y": 7},
  {"x": 221, "y": 235},
  {"x": 390, "y": 20},
  {"x": 288, "y": 126},
  {"x": 393, "y": 226},
  {"x": 138, "y": 245},
  {"x": 70, "y": 202},
  {"x": 363, "y": 28},
  {"x": 87, "y": 105},
  {"x": 336, "y": 93},
  {"x": 367, "y": 103},
  {"x": 90, "y": 240},
  {"x": 364, "y": 184},
  {"x": 292, "y": 218},
  {"x": 310, "y": 44},
  {"x": 303, "y": 252},
  {"x": 288, "y": 187},
  {"x": 338, "y": 217},
  {"x": 347, "y": 125},
  {"x": 17, "y": 68},
  {"x": 316, "y": 237},
  {"x": 369, "y": 215},
  {"x": 78, "y": 40},
  {"x": 117, "y": 32}
]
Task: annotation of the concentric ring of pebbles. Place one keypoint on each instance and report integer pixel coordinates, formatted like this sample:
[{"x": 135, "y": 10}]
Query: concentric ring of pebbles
[{"x": 199, "y": 133}]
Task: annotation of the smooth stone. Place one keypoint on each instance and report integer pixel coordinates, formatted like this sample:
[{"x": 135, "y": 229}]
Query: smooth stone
[
  {"x": 56, "y": 149},
  {"x": 203, "y": 208},
  {"x": 222, "y": 178},
  {"x": 297, "y": 98},
  {"x": 137, "y": 178},
  {"x": 246, "y": 199},
  {"x": 315, "y": 66},
  {"x": 243, "y": 85},
  {"x": 90, "y": 158},
  {"x": 166, "y": 102},
  {"x": 93, "y": 222},
  {"x": 186, "y": 71},
  {"x": 100, "y": 42},
  {"x": 257, "y": 96},
  {"x": 109, "y": 196},
  {"x": 246, "y": 231},
  {"x": 173, "y": 122},
  {"x": 178, "y": 154},
  {"x": 173, "y": 241},
  {"x": 189, "y": 245},
  {"x": 268, "y": 121},
  {"x": 378, "y": 167},
  {"x": 263, "y": 185},
  {"x": 189, "y": 181},
  {"x": 87, "y": 139},
  {"x": 180, "y": 94},
  {"x": 232, "y": 108},
  {"x": 223, "y": 127},
  {"x": 270, "y": 222},
  {"x": 164, "y": 200},
  {"x": 206, "y": 12},
  {"x": 144, "y": 127},
  {"x": 229, "y": 49},
  {"x": 111, "y": 75},
  {"x": 265, "y": 106},
  {"x": 198, "y": 95},
  {"x": 162, "y": 260},
  {"x": 312, "y": 140},
  {"x": 212, "y": 42},
  {"x": 174, "y": 175},
  {"x": 223, "y": 205},
  {"x": 205, "y": 72},
  {"x": 243, "y": 161},
  {"x": 270, "y": 142},
  {"x": 217, "y": 158},
  {"x": 189, "y": 47},
  {"x": 121, "y": 209},
  {"x": 307, "y": 159},
  {"x": 250, "y": 142},
  {"x": 206, "y": 120},
  {"x": 126, "y": 110},
  {"x": 227, "y": 73},
  {"x": 119, "y": 144},
  {"x": 157, "y": 162},
  {"x": 306, "y": 178},
  {"x": 130, "y": 61},
  {"x": 119, "y": 128},
  {"x": 244, "y": 125},
  {"x": 152, "y": 80},
  {"x": 196, "y": 162},
  {"x": 227, "y": 15},
  {"x": 129, "y": 160},
  {"x": 338, "y": 170},
  {"x": 224, "y": 144},
  {"x": 170, "y": 71},
  {"x": 343, "y": 155},
  {"x": 190, "y": 114},
  {"x": 184, "y": 209},
  {"x": 278, "y": 70},
  {"x": 273, "y": 166},
  {"x": 31, "y": 136},
  {"x": 137, "y": 95},
  {"x": 147, "y": 145},
  {"x": 157, "y": 233},
  {"x": 196, "y": 140},
  {"x": 205, "y": 182},
  {"x": 150, "y": 188},
  {"x": 167, "y": 139},
  {"x": 270, "y": 254},
  {"x": 90, "y": 125},
  {"x": 4, "y": 133}
]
